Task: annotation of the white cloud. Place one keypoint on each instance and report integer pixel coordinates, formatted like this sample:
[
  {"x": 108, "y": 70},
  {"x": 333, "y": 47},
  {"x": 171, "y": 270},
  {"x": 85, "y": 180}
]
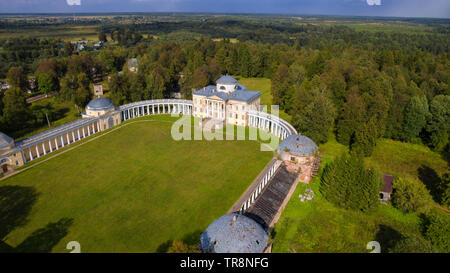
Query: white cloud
[
  {"x": 74, "y": 2},
  {"x": 373, "y": 2}
]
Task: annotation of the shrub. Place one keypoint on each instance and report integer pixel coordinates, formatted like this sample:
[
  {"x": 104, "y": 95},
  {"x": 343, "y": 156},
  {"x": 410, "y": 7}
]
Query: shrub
[
  {"x": 412, "y": 244},
  {"x": 437, "y": 230},
  {"x": 181, "y": 247},
  {"x": 411, "y": 196}
]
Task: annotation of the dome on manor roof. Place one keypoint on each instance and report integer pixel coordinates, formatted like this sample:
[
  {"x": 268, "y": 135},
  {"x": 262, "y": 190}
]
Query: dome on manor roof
[
  {"x": 5, "y": 141},
  {"x": 226, "y": 80},
  {"x": 99, "y": 104},
  {"x": 234, "y": 233},
  {"x": 298, "y": 145}
]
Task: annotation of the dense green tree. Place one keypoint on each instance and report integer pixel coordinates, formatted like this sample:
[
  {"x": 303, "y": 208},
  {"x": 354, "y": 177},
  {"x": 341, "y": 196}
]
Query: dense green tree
[
  {"x": 365, "y": 138},
  {"x": 119, "y": 88},
  {"x": 439, "y": 124},
  {"x": 415, "y": 118},
  {"x": 17, "y": 78},
  {"x": 15, "y": 112},
  {"x": 281, "y": 85},
  {"x": 316, "y": 119},
  {"x": 411, "y": 196},
  {"x": 351, "y": 118},
  {"x": 348, "y": 184},
  {"x": 46, "y": 83}
]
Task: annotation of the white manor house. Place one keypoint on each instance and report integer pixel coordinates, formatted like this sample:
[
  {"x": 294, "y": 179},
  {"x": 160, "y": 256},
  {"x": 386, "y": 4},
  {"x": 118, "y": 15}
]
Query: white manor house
[{"x": 228, "y": 102}]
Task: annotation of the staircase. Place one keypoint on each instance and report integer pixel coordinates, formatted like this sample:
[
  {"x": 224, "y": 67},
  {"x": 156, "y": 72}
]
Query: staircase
[{"x": 270, "y": 200}]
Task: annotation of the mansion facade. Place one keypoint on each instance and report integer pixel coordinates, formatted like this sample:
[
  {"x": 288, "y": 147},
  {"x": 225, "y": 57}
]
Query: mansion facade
[{"x": 227, "y": 102}]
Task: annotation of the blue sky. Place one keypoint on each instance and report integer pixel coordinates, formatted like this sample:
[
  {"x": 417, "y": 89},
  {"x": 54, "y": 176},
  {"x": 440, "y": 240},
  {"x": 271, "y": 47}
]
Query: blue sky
[{"x": 401, "y": 8}]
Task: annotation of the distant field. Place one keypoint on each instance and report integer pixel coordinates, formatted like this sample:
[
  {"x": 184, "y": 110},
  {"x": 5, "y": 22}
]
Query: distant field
[
  {"x": 133, "y": 190},
  {"x": 319, "y": 226},
  {"x": 66, "y": 32}
]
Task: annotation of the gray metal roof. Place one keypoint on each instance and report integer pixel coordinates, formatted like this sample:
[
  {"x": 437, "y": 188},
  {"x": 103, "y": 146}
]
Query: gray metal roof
[
  {"x": 99, "y": 104},
  {"x": 226, "y": 80},
  {"x": 298, "y": 145},
  {"x": 5, "y": 141},
  {"x": 234, "y": 233},
  {"x": 240, "y": 94}
]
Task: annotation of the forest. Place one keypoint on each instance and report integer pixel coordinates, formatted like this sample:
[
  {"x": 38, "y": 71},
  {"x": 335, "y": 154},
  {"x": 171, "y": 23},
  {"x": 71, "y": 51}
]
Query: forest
[{"x": 333, "y": 80}]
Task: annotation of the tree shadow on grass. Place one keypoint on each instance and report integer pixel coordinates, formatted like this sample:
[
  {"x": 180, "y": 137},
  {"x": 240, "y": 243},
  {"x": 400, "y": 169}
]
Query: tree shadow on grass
[
  {"x": 432, "y": 181},
  {"x": 44, "y": 239},
  {"x": 164, "y": 247},
  {"x": 15, "y": 205},
  {"x": 387, "y": 237}
]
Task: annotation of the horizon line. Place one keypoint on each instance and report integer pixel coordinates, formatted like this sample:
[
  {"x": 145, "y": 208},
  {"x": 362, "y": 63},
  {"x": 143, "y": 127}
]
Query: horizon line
[{"x": 213, "y": 13}]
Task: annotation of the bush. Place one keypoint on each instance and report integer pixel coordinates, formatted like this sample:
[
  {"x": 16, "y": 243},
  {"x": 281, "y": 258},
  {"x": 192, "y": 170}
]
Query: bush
[
  {"x": 180, "y": 247},
  {"x": 437, "y": 230},
  {"x": 412, "y": 244},
  {"x": 411, "y": 196}
]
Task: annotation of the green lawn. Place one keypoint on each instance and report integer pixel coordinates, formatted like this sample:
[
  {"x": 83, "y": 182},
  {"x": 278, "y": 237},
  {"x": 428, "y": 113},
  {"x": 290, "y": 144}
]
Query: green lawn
[
  {"x": 133, "y": 190},
  {"x": 318, "y": 226}
]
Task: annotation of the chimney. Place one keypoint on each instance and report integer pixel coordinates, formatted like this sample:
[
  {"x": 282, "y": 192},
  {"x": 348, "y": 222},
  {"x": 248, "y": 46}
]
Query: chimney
[{"x": 234, "y": 218}]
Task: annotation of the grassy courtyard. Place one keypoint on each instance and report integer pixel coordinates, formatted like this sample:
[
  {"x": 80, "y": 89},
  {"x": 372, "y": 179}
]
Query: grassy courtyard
[{"x": 134, "y": 189}]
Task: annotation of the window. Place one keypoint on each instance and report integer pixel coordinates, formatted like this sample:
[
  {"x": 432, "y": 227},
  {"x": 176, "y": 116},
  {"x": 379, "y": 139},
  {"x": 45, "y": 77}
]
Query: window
[
  {"x": 292, "y": 158},
  {"x": 243, "y": 107},
  {"x": 222, "y": 87}
]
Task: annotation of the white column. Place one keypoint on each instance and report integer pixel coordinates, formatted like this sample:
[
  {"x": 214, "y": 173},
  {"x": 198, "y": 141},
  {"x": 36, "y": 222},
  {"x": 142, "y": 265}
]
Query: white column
[
  {"x": 89, "y": 130},
  {"x": 84, "y": 135},
  {"x": 98, "y": 126},
  {"x": 68, "y": 140},
  {"x": 73, "y": 136},
  {"x": 31, "y": 154},
  {"x": 50, "y": 145},
  {"x": 56, "y": 143},
  {"x": 78, "y": 133},
  {"x": 43, "y": 148},
  {"x": 37, "y": 151},
  {"x": 62, "y": 141}
]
